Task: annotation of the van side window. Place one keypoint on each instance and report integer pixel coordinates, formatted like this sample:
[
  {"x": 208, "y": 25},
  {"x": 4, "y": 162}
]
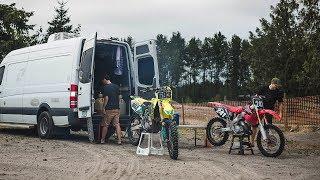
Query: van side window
[
  {"x": 146, "y": 70},
  {"x": 1, "y": 74},
  {"x": 85, "y": 66},
  {"x": 142, "y": 49}
]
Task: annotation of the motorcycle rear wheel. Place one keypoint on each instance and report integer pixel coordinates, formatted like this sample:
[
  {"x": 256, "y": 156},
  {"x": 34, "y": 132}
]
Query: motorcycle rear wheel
[
  {"x": 212, "y": 131},
  {"x": 271, "y": 131}
]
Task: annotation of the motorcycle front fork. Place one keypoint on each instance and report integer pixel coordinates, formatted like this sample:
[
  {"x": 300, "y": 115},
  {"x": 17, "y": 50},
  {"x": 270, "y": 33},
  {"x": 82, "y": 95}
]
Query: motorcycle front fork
[
  {"x": 263, "y": 131},
  {"x": 165, "y": 130}
]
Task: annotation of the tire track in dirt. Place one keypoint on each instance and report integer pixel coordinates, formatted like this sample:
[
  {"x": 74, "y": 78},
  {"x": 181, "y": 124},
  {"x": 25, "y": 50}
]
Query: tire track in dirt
[
  {"x": 111, "y": 164},
  {"x": 123, "y": 167},
  {"x": 97, "y": 160},
  {"x": 225, "y": 166},
  {"x": 216, "y": 168},
  {"x": 226, "y": 172},
  {"x": 134, "y": 168},
  {"x": 243, "y": 171},
  {"x": 114, "y": 162}
]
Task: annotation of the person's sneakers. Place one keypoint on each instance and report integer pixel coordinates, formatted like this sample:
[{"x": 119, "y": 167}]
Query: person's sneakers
[
  {"x": 119, "y": 143},
  {"x": 102, "y": 141}
]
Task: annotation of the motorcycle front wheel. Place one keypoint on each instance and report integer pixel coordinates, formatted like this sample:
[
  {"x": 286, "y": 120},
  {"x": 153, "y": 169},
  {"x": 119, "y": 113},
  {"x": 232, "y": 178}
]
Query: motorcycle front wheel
[
  {"x": 172, "y": 140},
  {"x": 214, "y": 133},
  {"x": 274, "y": 145},
  {"x": 134, "y": 130}
]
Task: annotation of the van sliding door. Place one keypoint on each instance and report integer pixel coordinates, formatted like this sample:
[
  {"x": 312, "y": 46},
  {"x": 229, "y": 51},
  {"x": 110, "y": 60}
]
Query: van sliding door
[
  {"x": 85, "y": 93},
  {"x": 146, "y": 67}
]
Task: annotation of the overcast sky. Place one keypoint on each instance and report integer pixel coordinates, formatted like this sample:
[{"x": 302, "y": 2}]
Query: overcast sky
[{"x": 144, "y": 19}]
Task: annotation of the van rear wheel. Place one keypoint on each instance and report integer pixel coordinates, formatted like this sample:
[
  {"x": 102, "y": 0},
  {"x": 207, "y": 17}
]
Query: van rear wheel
[{"x": 45, "y": 125}]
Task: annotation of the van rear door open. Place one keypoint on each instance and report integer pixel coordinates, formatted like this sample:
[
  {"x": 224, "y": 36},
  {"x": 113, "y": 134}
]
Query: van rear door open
[
  {"x": 146, "y": 67},
  {"x": 85, "y": 93}
]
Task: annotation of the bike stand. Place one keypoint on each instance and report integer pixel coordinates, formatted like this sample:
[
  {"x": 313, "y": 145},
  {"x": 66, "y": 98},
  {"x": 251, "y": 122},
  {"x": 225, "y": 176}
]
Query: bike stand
[
  {"x": 150, "y": 149},
  {"x": 242, "y": 143}
]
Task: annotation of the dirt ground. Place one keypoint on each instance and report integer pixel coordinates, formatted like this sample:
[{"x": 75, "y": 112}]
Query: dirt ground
[{"x": 25, "y": 156}]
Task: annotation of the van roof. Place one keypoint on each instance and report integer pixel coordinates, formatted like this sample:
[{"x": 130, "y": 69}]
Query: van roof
[
  {"x": 39, "y": 47},
  {"x": 52, "y": 44}
]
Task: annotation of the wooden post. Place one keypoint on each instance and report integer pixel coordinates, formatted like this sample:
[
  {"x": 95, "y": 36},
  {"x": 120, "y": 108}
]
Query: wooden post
[
  {"x": 195, "y": 137},
  {"x": 183, "y": 122}
]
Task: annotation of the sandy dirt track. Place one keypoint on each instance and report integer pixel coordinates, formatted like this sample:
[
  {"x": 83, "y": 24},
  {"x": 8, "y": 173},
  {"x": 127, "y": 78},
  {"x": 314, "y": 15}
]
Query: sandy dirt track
[{"x": 24, "y": 156}]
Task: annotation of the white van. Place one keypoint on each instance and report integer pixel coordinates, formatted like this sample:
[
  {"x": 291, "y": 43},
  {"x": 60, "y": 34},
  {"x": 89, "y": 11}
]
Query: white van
[{"x": 52, "y": 86}]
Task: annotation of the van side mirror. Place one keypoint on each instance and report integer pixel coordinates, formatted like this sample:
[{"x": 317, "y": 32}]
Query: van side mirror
[{"x": 154, "y": 82}]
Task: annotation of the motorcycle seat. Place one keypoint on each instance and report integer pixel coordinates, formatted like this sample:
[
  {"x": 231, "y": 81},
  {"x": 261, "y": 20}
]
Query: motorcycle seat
[{"x": 233, "y": 109}]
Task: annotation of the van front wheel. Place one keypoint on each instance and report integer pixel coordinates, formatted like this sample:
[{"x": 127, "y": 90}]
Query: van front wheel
[{"x": 45, "y": 125}]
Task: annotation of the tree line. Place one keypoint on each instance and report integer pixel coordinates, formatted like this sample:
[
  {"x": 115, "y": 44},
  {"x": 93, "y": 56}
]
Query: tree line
[
  {"x": 287, "y": 47},
  {"x": 16, "y": 32},
  {"x": 214, "y": 68}
]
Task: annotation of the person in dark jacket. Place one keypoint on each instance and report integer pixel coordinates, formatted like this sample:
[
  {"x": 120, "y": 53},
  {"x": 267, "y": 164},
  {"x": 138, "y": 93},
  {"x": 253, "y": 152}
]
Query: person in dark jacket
[{"x": 272, "y": 93}]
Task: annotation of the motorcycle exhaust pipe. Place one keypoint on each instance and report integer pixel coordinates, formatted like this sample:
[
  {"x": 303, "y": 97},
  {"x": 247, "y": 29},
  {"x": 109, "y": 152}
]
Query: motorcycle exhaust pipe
[{"x": 227, "y": 129}]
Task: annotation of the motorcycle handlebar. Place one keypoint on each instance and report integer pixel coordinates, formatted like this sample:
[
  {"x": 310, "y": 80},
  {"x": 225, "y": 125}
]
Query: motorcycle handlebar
[{"x": 258, "y": 96}]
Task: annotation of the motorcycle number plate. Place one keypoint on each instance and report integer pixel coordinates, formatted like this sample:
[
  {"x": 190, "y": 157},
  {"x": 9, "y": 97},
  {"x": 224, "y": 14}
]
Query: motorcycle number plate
[
  {"x": 258, "y": 103},
  {"x": 221, "y": 112}
]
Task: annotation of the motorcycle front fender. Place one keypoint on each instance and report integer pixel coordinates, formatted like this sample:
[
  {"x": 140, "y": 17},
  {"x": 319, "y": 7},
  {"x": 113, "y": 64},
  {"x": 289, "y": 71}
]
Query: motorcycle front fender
[{"x": 271, "y": 112}]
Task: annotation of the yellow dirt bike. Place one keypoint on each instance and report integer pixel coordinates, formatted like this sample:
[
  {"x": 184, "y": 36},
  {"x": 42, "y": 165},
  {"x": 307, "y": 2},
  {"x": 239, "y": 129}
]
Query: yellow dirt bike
[{"x": 153, "y": 116}]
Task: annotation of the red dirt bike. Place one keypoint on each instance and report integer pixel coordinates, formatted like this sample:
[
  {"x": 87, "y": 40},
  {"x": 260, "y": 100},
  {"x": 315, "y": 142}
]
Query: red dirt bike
[{"x": 238, "y": 120}]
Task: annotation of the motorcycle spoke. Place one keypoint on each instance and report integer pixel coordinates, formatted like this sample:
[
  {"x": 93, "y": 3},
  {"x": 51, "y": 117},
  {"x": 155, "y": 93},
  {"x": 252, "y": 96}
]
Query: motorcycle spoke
[
  {"x": 216, "y": 131},
  {"x": 272, "y": 144}
]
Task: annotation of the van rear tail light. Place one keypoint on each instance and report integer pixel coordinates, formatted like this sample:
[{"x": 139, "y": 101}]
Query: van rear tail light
[{"x": 73, "y": 96}]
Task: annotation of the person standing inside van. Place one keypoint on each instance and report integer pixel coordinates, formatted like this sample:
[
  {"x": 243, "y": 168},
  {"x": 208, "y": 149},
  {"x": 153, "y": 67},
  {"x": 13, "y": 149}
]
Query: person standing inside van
[{"x": 111, "y": 110}]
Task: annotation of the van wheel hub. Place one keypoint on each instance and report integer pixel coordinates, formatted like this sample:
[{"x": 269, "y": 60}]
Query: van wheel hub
[{"x": 44, "y": 123}]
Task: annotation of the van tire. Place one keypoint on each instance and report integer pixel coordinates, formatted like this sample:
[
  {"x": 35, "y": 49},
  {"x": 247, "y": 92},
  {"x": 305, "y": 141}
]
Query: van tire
[{"x": 45, "y": 125}]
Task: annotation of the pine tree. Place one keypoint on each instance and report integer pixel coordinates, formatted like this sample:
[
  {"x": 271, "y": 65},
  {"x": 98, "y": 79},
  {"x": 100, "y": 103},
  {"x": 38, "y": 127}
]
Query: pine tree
[
  {"x": 163, "y": 59},
  {"x": 277, "y": 49},
  {"x": 206, "y": 58},
  {"x": 244, "y": 70},
  {"x": 309, "y": 17},
  {"x": 60, "y": 22},
  {"x": 193, "y": 58},
  {"x": 14, "y": 28},
  {"x": 219, "y": 56},
  {"x": 233, "y": 65},
  {"x": 176, "y": 53}
]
